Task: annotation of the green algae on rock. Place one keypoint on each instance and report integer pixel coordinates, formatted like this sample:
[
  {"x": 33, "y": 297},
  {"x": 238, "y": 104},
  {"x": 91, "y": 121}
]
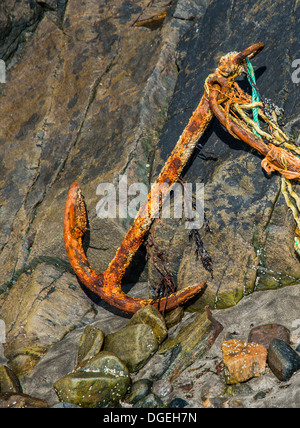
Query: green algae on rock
[{"x": 101, "y": 382}]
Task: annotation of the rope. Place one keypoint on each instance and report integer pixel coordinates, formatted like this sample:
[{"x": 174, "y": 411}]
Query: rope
[
  {"x": 255, "y": 96},
  {"x": 287, "y": 191}
]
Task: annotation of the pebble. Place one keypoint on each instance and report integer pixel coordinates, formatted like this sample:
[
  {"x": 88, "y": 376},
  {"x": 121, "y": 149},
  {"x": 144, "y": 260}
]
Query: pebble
[
  {"x": 242, "y": 360},
  {"x": 139, "y": 389},
  {"x": 283, "y": 360},
  {"x": 264, "y": 334},
  {"x": 101, "y": 382},
  {"x": 151, "y": 401},
  {"x": 178, "y": 403}
]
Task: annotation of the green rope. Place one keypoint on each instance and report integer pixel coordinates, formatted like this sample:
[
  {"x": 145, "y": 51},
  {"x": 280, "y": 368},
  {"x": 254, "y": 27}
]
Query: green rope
[{"x": 255, "y": 96}]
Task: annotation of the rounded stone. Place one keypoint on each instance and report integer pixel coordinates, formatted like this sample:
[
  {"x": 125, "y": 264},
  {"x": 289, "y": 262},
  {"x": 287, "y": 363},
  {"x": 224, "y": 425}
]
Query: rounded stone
[
  {"x": 264, "y": 334},
  {"x": 139, "y": 389},
  {"x": 283, "y": 360},
  {"x": 102, "y": 382}
]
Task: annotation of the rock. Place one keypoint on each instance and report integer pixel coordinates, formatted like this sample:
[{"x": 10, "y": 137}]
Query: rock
[
  {"x": 162, "y": 388},
  {"x": 174, "y": 317},
  {"x": 133, "y": 344},
  {"x": 298, "y": 348},
  {"x": 101, "y": 382},
  {"x": 90, "y": 344},
  {"x": 21, "y": 401},
  {"x": 65, "y": 406},
  {"x": 151, "y": 316},
  {"x": 243, "y": 361},
  {"x": 283, "y": 360},
  {"x": 214, "y": 388},
  {"x": 264, "y": 334},
  {"x": 178, "y": 403},
  {"x": 42, "y": 306},
  {"x": 151, "y": 401},
  {"x": 9, "y": 383},
  {"x": 139, "y": 390},
  {"x": 190, "y": 343}
]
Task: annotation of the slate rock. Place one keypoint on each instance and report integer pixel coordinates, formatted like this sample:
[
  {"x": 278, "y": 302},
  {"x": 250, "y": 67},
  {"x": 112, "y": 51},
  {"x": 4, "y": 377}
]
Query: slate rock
[
  {"x": 9, "y": 383},
  {"x": 101, "y": 382},
  {"x": 153, "y": 318},
  {"x": 21, "y": 401},
  {"x": 283, "y": 360},
  {"x": 90, "y": 344},
  {"x": 189, "y": 343},
  {"x": 133, "y": 344},
  {"x": 264, "y": 334},
  {"x": 138, "y": 390}
]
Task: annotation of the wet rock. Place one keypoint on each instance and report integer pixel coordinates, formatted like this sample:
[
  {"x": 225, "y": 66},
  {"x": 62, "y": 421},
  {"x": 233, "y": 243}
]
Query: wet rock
[
  {"x": 190, "y": 343},
  {"x": 138, "y": 390},
  {"x": 174, "y": 317},
  {"x": 90, "y": 344},
  {"x": 162, "y": 388},
  {"x": 151, "y": 401},
  {"x": 65, "y": 406},
  {"x": 101, "y": 382},
  {"x": 178, "y": 403},
  {"x": 154, "y": 319},
  {"x": 133, "y": 344},
  {"x": 42, "y": 306},
  {"x": 21, "y": 401},
  {"x": 9, "y": 382},
  {"x": 283, "y": 360},
  {"x": 264, "y": 334},
  {"x": 243, "y": 361}
]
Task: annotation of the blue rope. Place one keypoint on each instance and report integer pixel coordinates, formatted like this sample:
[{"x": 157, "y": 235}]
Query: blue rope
[{"x": 255, "y": 96}]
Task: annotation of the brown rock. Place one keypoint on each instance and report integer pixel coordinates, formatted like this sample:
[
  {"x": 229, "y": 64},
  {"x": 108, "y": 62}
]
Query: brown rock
[
  {"x": 9, "y": 382},
  {"x": 21, "y": 401},
  {"x": 243, "y": 360},
  {"x": 264, "y": 334},
  {"x": 90, "y": 344}
]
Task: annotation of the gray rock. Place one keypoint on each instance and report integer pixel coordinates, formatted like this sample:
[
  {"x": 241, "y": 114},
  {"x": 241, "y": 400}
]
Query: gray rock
[
  {"x": 283, "y": 360},
  {"x": 151, "y": 401}
]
